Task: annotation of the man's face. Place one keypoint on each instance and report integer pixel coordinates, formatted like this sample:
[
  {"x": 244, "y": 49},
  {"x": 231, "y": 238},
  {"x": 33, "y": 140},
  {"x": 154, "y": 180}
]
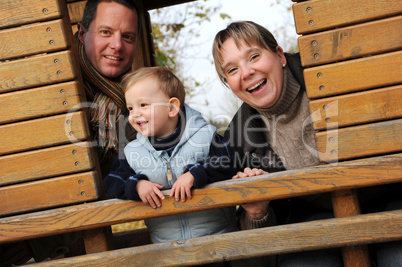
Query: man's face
[{"x": 110, "y": 40}]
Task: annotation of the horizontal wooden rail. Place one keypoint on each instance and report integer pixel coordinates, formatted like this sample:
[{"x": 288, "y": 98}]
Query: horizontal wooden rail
[
  {"x": 44, "y": 163},
  {"x": 360, "y": 141},
  {"x": 361, "y": 229},
  {"x": 357, "y": 108},
  {"x": 354, "y": 75},
  {"x": 315, "y": 15},
  {"x": 351, "y": 42},
  {"x": 44, "y": 132},
  {"x": 326, "y": 178}
]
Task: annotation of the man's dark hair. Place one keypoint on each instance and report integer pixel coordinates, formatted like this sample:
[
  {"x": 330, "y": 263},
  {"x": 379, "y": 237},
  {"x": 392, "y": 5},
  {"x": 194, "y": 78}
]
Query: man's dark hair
[{"x": 92, "y": 6}]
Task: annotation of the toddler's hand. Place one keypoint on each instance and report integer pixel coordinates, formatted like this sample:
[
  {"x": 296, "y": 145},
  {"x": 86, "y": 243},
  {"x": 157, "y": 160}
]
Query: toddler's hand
[
  {"x": 248, "y": 173},
  {"x": 150, "y": 193},
  {"x": 182, "y": 187}
]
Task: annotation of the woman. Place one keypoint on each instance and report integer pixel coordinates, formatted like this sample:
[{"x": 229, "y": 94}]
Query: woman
[{"x": 272, "y": 130}]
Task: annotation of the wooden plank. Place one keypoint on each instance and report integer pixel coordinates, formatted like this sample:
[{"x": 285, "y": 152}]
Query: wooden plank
[
  {"x": 325, "y": 178},
  {"x": 18, "y": 12},
  {"x": 77, "y": 188},
  {"x": 34, "y": 39},
  {"x": 359, "y": 141},
  {"x": 45, "y": 132},
  {"x": 37, "y": 71},
  {"x": 351, "y": 42},
  {"x": 354, "y": 75},
  {"x": 40, "y": 102},
  {"x": 346, "y": 203},
  {"x": 76, "y": 10},
  {"x": 154, "y": 4},
  {"x": 49, "y": 162},
  {"x": 357, "y": 108},
  {"x": 362, "y": 229},
  {"x": 317, "y": 15},
  {"x": 96, "y": 240}
]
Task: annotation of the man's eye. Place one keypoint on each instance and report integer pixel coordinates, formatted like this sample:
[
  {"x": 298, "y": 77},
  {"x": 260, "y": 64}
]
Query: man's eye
[
  {"x": 129, "y": 38},
  {"x": 105, "y": 32}
]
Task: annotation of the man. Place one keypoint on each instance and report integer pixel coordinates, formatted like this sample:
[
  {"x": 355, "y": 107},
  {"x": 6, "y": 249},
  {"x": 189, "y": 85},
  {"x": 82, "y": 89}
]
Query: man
[{"x": 105, "y": 44}]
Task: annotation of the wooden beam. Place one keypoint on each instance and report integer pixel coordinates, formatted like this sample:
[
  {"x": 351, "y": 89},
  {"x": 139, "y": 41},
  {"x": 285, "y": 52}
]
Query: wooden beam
[
  {"x": 44, "y": 132},
  {"x": 44, "y": 163},
  {"x": 360, "y": 141},
  {"x": 40, "y": 102},
  {"x": 354, "y": 75},
  {"x": 37, "y": 71},
  {"x": 317, "y": 15},
  {"x": 357, "y": 108},
  {"x": 361, "y": 229},
  {"x": 19, "y": 12},
  {"x": 326, "y": 178},
  {"x": 364, "y": 39},
  {"x": 47, "y": 193}
]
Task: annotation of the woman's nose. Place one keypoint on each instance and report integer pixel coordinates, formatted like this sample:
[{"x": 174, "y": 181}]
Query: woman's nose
[{"x": 247, "y": 71}]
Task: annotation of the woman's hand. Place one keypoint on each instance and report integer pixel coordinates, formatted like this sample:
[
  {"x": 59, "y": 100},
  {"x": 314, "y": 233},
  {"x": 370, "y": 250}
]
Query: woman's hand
[
  {"x": 255, "y": 211},
  {"x": 150, "y": 193},
  {"x": 182, "y": 187},
  {"x": 249, "y": 173}
]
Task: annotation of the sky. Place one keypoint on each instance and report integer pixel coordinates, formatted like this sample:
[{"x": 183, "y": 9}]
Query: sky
[{"x": 212, "y": 98}]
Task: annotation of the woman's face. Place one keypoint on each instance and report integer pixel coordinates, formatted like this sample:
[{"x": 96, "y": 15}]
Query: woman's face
[{"x": 254, "y": 74}]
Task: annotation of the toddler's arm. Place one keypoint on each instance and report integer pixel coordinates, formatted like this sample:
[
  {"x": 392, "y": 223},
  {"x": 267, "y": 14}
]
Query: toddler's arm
[
  {"x": 121, "y": 182},
  {"x": 150, "y": 193},
  {"x": 182, "y": 187}
]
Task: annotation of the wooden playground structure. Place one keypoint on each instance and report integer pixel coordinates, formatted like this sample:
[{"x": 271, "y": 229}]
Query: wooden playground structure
[{"x": 49, "y": 174}]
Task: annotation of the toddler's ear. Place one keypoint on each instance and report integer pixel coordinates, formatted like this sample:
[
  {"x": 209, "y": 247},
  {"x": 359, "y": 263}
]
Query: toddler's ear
[{"x": 174, "y": 107}]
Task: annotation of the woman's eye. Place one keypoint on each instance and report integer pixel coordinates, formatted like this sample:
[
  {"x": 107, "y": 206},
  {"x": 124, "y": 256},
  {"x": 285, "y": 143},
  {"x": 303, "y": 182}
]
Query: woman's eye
[
  {"x": 254, "y": 56},
  {"x": 231, "y": 70}
]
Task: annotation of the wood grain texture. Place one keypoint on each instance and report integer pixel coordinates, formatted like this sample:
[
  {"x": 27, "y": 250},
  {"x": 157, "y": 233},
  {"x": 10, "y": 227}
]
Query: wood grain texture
[
  {"x": 18, "y": 12},
  {"x": 357, "y": 108},
  {"x": 362, "y": 229},
  {"x": 44, "y": 163},
  {"x": 34, "y": 39},
  {"x": 76, "y": 10},
  {"x": 326, "y": 178},
  {"x": 354, "y": 75},
  {"x": 364, "y": 39},
  {"x": 346, "y": 203},
  {"x": 317, "y": 15},
  {"x": 37, "y": 71},
  {"x": 44, "y": 132},
  {"x": 48, "y": 193},
  {"x": 40, "y": 102},
  {"x": 360, "y": 141}
]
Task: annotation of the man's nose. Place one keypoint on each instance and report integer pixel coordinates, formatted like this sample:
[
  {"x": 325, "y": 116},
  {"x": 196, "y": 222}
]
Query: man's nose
[{"x": 116, "y": 42}]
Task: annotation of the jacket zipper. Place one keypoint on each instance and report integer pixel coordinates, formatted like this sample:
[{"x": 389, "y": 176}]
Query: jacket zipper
[{"x": 169, "y": 172}]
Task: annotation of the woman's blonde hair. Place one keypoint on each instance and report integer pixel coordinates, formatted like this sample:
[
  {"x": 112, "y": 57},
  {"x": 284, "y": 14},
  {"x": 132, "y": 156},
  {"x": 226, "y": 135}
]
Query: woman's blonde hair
[
  {"x": 247, "y": 31},
  {"x": 167, "y": 81}
]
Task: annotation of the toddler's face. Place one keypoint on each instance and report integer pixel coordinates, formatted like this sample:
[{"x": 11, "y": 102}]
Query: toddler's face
[{"x": 149, "y": 109}]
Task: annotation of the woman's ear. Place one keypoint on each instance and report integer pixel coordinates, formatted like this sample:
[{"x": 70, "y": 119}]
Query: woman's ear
[
  {"x": 281, "y": 54},
  {"x": 174, "y": 107},
  {"x": 81, "y": 32}
]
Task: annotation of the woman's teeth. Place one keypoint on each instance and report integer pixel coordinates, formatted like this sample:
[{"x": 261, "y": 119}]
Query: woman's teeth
[{"x": 250, "y": 90}]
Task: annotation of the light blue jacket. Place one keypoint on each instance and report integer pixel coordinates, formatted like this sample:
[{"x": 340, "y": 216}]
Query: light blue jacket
[{"x": 194, "y": 145}]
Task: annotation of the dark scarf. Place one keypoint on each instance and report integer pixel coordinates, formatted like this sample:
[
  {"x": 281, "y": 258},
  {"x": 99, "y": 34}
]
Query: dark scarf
[{"x": 108, "y": 104}]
